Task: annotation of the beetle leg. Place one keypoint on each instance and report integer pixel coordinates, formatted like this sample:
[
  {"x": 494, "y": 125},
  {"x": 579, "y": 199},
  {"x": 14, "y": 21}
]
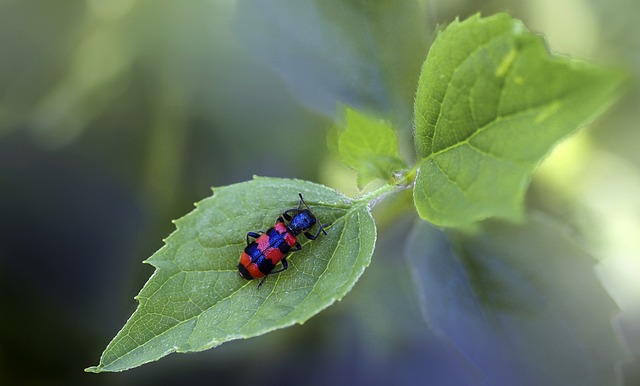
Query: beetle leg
[
  {"x": 285, "y": 265},
  {"x": 253, "y": 235},
  {"x": 262, "y": 281},
  {"x": 320, "y": 229},
  {"x": 288, "y": 214}
]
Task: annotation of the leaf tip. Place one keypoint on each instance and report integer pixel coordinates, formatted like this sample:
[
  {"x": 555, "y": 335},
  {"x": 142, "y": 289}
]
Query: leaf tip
[{"x": 93, "y": 369}]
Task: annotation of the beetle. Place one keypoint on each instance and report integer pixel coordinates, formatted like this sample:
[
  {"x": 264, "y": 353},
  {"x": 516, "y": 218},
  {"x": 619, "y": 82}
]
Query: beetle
[{"x": 269, "y": 248}]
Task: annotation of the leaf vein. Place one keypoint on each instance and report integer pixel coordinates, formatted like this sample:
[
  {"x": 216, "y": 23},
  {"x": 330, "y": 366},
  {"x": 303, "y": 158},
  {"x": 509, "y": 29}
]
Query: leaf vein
[{"x": 453, "y": 73}]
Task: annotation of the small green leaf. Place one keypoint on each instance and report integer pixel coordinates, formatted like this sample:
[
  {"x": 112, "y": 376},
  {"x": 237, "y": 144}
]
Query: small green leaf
[
  {"x": 196, "y": 300},
  {"x": 491, "y": 103},
  {"x": 369, "y": 146}
]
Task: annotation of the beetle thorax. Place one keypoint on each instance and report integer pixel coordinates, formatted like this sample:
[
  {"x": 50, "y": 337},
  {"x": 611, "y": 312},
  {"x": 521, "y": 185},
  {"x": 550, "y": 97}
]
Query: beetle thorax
[{"x": 302, "y": 221}]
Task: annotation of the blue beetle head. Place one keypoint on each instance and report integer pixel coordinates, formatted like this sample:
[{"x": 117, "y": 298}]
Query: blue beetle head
[{"x": 302, "y": 221}]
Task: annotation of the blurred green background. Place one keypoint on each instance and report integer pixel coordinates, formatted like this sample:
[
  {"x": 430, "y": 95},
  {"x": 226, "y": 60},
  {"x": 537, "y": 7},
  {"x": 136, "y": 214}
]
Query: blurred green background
[{"x": 117, "y": 115}]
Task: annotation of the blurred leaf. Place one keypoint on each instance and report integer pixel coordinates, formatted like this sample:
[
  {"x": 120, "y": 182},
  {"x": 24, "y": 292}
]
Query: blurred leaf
[
  {"x": 521, "y": 302},
  {"x": 196, "y": 300},
  {"x": 369, "y": 146},
  {"x": 366, "y": 54},
  {"x": 491, "y": 102}
]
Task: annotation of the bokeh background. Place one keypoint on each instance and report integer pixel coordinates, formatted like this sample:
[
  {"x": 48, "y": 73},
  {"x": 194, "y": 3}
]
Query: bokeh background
[{"x": 117, "y": 115}]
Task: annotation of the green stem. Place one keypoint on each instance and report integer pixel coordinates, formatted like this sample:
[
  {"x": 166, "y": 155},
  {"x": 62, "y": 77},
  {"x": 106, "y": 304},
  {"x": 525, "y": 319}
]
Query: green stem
[{"x": 404, "y": 182}]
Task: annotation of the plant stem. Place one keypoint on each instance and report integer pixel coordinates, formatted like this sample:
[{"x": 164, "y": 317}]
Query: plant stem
[{"x": 404, "y": 181}]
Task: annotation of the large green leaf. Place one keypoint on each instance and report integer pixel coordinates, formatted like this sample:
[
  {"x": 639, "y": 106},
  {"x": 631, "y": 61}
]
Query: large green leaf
[
  {"x": 491, "y": 103},
  {"x": 363, "y": 53},
  {"x": 196, "y": 300},
  {"x": 521, "y": 303}
]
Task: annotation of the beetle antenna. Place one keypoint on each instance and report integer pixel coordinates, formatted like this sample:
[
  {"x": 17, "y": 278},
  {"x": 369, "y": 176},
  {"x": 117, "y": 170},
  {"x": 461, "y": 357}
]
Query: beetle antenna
[{"x": 302, "y": 202}]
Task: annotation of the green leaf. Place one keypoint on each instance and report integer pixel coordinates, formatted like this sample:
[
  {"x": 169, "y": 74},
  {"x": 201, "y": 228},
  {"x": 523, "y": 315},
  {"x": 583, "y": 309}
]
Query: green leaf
[
  {"x": 196, "y": 300},
  {"x": 369, "y": 146},
  {"x": 518, "y": 299},
  {"x": 363, "y": 53},
  {"x": 491, "y": 103}
]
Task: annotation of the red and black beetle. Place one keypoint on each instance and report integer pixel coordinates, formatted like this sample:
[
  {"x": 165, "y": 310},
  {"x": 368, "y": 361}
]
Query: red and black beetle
[{"x": 261, "y": 255}]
